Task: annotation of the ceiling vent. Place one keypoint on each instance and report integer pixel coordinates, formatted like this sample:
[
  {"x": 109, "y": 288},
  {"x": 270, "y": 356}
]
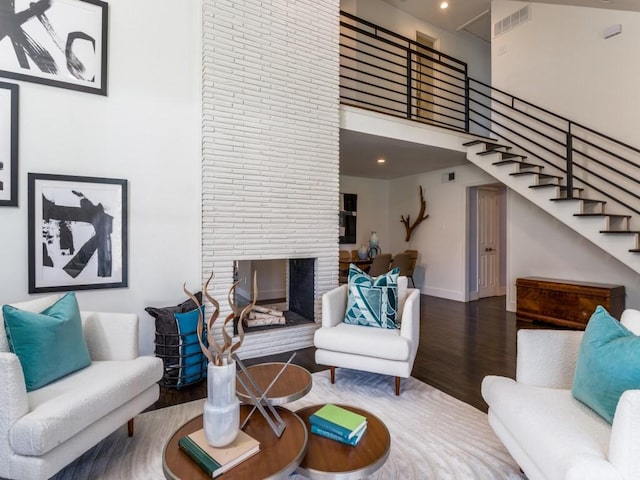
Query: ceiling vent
[{"x": 511, "y": 21}]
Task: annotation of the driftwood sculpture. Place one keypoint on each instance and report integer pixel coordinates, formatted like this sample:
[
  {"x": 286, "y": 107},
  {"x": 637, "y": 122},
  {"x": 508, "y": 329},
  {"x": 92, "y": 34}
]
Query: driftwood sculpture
[
  {"x": 216, "y": 352},
  {"x": 409, "y": 227}
]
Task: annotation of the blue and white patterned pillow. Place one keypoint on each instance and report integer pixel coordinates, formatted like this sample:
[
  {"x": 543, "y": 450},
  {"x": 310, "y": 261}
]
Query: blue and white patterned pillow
[{"x": 372, "y": 301}]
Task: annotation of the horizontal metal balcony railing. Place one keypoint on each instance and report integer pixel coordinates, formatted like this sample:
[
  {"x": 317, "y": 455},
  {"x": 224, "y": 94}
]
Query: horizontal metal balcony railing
[{"x": 386, "y": 72}]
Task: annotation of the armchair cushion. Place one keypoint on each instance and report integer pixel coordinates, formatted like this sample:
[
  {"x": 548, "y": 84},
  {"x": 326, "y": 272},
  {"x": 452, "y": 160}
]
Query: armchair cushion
[
  {"x": 49, "y": 344},
  {"x": 372, "y": 301},
  {"x": 608, "y": 364},
  {"x": 371, "y": 342}
]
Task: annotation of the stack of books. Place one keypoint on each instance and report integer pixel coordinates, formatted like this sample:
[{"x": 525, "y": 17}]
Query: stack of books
[
  {"x": 216, "y": 461},
  {"x": 338, "y": 424}
]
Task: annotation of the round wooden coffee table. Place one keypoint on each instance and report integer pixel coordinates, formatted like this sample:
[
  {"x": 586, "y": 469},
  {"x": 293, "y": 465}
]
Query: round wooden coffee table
[
  {"x": 294, "y": 382},
  {"x": 278, "y": 457},
  {"x": 327, "y": 458}
]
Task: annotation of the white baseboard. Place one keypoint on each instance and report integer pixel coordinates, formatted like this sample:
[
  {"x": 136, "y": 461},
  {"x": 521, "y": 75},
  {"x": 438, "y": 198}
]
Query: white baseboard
[{"x": 442, "y": 293}]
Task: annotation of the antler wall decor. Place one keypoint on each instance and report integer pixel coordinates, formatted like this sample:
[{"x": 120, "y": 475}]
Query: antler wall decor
[
  {"x": 216, "y": 353},
  {"x": 409, "y": 227}
]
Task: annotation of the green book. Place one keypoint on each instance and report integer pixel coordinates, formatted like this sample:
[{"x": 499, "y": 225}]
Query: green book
[
  {"x": 339, "y": 420},
  {"x": 216, "y": 461}
]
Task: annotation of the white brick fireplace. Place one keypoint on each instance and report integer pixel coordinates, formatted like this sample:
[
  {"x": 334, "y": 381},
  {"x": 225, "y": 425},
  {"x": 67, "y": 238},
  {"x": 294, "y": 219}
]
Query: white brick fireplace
[{"x": 270, "y": 131}]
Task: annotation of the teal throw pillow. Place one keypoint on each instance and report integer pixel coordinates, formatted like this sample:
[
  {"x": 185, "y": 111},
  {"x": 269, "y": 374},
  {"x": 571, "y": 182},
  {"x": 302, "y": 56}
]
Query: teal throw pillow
[
  {"x": 608, "y": 364},
  {"x": 193, "y": 363},
  {"x": 372, "y": 301},
  {"x": 49, "y": 344}
]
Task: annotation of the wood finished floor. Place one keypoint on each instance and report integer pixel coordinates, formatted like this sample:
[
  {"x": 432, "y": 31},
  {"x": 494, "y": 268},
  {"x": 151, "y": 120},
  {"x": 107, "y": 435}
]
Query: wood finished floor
[{"x": 460, "y": 343}]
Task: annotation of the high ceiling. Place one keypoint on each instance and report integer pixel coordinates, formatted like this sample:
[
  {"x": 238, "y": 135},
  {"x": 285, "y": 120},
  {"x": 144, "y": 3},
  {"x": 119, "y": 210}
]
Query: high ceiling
[
  {"x": 474, "y": 16},
  {"x": 359, "y": 152}
]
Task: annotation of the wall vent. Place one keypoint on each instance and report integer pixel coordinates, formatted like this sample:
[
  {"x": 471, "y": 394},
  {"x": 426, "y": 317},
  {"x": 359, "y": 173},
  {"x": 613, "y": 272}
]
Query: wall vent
[{"x": 511, "y": 21}]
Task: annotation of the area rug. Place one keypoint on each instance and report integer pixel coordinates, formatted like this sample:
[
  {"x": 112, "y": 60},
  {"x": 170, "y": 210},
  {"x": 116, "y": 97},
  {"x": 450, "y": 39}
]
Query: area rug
[{"x": 433, "y": 435}]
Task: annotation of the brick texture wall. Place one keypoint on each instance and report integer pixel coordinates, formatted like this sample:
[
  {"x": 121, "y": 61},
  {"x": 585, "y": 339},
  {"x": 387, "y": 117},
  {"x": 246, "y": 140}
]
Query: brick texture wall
[{"x": 270, "y": 132}]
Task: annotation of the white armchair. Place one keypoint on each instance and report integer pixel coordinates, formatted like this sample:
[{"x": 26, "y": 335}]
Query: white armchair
[
  {"x": 43, "y": 430},
  {"x": 378, "y": 350},
  {"x": 550, "y": 434}
]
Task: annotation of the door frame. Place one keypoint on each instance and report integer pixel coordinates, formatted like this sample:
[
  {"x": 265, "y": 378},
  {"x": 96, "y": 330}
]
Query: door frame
[
  {"x": 432, "y": 43},
  {"x": 494, "y": 196},
  {"x": 471, "y": 241}
]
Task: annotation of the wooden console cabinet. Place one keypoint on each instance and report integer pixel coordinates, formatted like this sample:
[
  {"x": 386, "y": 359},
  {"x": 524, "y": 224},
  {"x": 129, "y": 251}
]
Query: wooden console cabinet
[{"x": 565, "y": 302}]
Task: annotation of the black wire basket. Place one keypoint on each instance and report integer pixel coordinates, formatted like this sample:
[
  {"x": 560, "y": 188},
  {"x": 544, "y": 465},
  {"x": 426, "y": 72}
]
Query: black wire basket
[{"x": 182, "y": 358}]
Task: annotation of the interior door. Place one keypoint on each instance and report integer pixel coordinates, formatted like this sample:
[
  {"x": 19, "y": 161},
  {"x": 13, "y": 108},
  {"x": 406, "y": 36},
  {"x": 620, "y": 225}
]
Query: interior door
[{"x": 488, "y": 242}]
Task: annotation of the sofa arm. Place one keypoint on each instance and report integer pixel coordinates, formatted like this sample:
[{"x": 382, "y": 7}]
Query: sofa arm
[
  {"x": 410, "y": 326},
  {"x": 334, "y": 306},
  {"x": 111, "y": 336},
  {"x": 15, "y": 405},
  {"x": 547, "y": 358},
  {"x": 624, "y": 443}
]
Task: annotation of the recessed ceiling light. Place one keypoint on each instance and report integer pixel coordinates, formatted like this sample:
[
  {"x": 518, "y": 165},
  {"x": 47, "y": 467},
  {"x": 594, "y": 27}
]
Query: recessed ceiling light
[
  {"x": 444, "y": 5},
  {"x": 380, "y": 160}
]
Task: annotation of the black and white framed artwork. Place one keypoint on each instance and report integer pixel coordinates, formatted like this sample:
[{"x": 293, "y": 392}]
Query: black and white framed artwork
[
  {"x": 8, "y": 145},
  {"x": 77, "y": 233},
  {"x": 62, "y": 43}
]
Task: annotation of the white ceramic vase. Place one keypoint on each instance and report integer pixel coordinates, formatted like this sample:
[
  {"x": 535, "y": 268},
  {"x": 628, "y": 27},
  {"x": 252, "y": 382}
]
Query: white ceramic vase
[
  {"x": 221, "y": 416},
  {"x": 373, "y": 240}
]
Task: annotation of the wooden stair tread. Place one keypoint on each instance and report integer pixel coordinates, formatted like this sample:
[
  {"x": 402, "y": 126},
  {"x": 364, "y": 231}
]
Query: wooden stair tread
[
  {"x": 616, "y": 215},
  {"x": 586, "y": 200},
  {"x": 494, "y": 146},
  {"x": 543, "y": 175},
  {"x": 505, "y": 155},
  {"x": 511, "y": 161},
  {"x": 488, "y": 141}
]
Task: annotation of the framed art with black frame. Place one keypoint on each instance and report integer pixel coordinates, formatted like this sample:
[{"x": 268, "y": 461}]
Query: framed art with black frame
[
  {"x": 8, "y": 144},
  {"x": 62, "y": 43},
  {"x": 77, "y": 233}
]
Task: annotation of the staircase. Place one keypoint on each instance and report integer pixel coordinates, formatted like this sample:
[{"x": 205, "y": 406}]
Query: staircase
[
  {"x": 587, "y": 215},
  {"x": 585, "y": 178}
]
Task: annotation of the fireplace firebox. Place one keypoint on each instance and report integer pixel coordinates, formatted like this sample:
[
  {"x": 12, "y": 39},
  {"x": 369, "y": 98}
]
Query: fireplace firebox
[{"x": 286, "y": 292}]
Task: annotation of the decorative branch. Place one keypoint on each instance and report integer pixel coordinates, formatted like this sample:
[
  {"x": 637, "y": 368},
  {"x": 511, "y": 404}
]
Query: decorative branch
[
  {"x": 215, "y": 352},
  {"x": 409, "y": 227}
]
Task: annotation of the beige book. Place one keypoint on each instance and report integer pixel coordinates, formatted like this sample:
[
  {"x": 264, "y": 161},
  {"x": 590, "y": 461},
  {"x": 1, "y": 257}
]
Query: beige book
[{"x": 243, "y": 447}]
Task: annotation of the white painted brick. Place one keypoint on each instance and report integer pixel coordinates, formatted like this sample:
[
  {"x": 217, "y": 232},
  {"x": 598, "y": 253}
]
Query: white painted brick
[{"x": 270, "y": 142}]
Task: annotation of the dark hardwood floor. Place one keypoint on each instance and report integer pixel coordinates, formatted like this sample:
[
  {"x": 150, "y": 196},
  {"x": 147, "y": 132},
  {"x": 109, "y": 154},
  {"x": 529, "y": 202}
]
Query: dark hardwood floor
[{"x": 460, "y": 343}]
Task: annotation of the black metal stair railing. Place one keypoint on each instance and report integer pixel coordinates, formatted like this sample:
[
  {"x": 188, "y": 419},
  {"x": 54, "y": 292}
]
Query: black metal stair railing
[
  {"x": 383, "y": 71},
  {"x": 584, "y": 156},
  {"x": 386, "y": 72}
]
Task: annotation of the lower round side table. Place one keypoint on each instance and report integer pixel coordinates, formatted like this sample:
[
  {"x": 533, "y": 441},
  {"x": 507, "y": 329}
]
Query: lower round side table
[{"x": 277, "y": 459}]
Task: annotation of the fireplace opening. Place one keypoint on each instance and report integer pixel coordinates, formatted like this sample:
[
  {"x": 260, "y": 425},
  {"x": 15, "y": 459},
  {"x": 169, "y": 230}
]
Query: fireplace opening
[{"x": 286, "y": 295}]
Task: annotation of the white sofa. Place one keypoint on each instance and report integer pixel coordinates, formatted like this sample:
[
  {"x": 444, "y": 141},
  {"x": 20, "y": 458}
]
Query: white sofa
[
  {"x": 378, "y": 350},
  {"x": 550, "y": 434},
  {"x": 43, "y": 430}
]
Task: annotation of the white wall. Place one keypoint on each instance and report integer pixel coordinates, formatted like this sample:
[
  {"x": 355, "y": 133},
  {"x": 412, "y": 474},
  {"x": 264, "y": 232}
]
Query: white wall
[
  {"x": 560, "y": 60},
  {"x": 539, "y": 245},
  {"x": 476, "y": 53},
  {"x": 146, "y": 131},
  {"x": 373, "y": 210},
  {"x": 442, "y": 238}
]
